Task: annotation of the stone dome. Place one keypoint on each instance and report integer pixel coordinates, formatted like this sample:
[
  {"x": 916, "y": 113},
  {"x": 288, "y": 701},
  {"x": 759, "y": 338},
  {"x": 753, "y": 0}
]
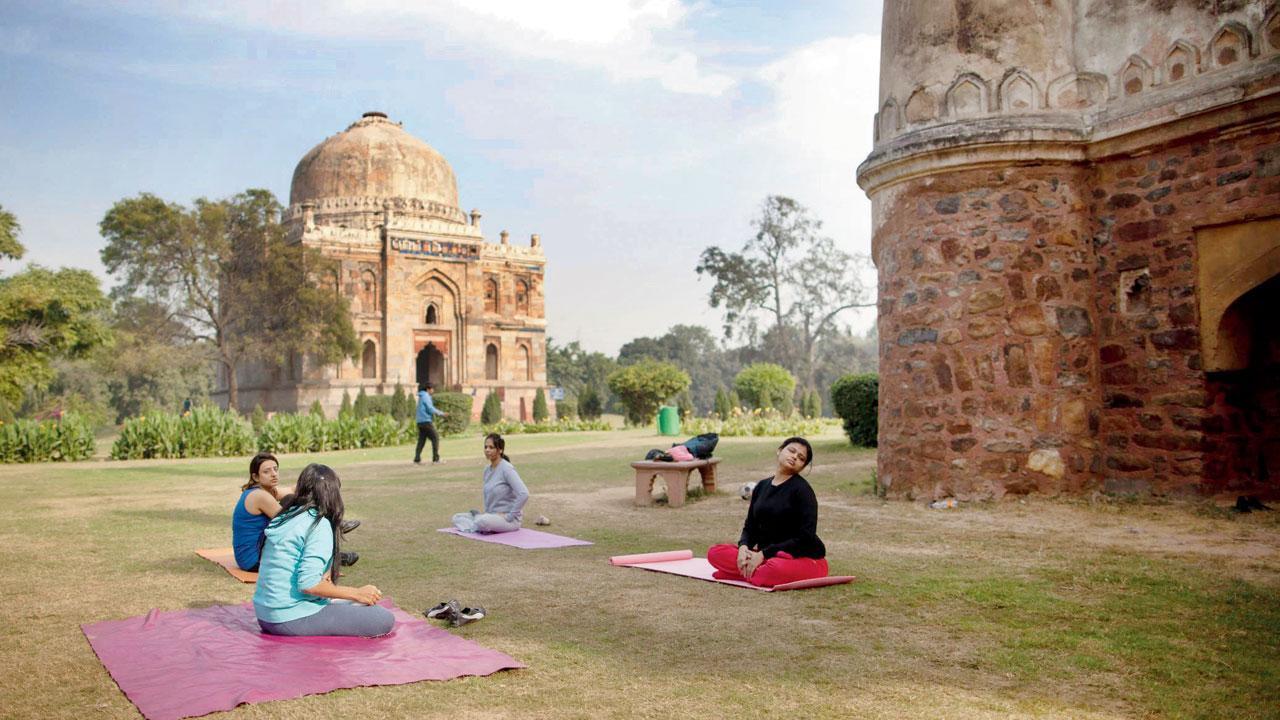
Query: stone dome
[{"x": 375, "y": 158}]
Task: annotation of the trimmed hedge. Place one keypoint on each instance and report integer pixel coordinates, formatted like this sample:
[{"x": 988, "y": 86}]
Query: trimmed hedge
[
  {"x": 458, "y": 407},
  {"x": 856, "y": 400},
  {"x": 24, "y": 441}
]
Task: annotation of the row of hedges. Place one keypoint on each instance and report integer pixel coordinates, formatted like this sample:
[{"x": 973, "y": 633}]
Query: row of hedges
[
  {"x": 757, "y": 423},
  {"x": 515, "y": 427},
  {"x": 23, "y": 441},
  {"x": 212, "y": 432}
]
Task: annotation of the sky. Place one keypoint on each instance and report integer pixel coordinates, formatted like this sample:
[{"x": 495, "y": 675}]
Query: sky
[{"x": 629, "y": 134}]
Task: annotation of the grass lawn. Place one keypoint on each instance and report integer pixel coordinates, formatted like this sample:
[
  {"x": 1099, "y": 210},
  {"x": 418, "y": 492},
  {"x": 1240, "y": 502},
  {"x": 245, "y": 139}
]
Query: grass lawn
[{"x": 1064, "y": 609}]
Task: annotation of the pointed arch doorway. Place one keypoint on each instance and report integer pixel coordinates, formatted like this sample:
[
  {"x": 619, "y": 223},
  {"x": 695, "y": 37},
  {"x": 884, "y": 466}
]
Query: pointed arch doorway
[{"x": 430, "y": 366}]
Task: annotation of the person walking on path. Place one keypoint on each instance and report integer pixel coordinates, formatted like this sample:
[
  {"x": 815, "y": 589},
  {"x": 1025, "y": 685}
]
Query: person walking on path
[{"x": 427, "y": 414}]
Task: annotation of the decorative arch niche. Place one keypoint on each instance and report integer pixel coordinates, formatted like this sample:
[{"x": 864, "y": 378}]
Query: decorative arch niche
[
  {"x": 967, "y": 97},
  {"x": 1234, "y": 262},
  {"x": 491, "y": 361},
  {"x": 1078, "y": 91},
  {"x": 887, "y": 122},
  {"x": 491, "y": 294},
  {"x": 1019, "y": 93},
  {"x": 369, "y": 360},
  {"x": 1182, "y": 62},
  {"x": 1135, "y": 75},
  {"x": 1229, "y": 45}
]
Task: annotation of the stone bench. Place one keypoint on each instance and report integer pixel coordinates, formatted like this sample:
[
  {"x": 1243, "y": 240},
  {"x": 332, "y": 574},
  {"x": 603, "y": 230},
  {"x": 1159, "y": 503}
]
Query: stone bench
[{"x": 676, "y": 475}]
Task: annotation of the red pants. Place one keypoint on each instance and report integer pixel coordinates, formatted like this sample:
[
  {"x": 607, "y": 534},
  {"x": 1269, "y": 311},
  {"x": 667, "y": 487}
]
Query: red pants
[{"x": 779, "y": 569}]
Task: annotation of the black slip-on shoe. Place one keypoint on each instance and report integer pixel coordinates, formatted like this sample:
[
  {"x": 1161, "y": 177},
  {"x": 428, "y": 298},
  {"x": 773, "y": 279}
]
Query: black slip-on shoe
[
  {"x": 467, "y": 615},
  {"x": 348, "y": 525},
  {"x": 444, "y": 611},
  {"x": 347, "y": 559}
]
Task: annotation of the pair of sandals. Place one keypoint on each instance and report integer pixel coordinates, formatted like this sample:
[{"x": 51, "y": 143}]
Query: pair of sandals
[{"x": 454, "y": 613}]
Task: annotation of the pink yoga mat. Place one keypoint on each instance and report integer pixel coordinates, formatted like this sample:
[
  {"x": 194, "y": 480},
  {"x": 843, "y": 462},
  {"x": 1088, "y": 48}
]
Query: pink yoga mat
[
  {"x": 188, "y": 663},
  {"x": 523, "y": 538},
  {"x": 682, "y": 562}
]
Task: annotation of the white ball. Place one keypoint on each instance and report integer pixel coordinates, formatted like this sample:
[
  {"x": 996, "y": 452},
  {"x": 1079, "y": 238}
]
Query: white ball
[{"x": 745, "y": 491}]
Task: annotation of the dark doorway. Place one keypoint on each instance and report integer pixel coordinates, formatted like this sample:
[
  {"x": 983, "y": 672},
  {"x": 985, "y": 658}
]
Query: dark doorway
[{"x": 431, "y": 366}]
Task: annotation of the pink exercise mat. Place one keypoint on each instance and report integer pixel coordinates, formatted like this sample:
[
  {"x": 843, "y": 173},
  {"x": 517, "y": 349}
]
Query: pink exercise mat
[
  {"x": 682, "y": 562},
  {"x": 523, "y": 538},
  {"x": 187, "y": 663}
]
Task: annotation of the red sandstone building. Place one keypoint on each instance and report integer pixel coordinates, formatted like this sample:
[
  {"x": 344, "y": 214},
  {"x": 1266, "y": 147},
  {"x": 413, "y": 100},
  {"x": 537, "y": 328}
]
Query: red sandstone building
[
  {"x": 431, "y": 300},
  {"x": 1077, "y": 230}
]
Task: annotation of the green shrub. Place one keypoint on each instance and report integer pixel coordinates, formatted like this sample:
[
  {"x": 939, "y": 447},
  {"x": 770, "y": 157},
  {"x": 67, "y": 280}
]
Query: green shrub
[
  {"x": 361, "y": 406},
  {"x": 458, "y": 408},
  {"x": 22, "y": 441},
  {"x": 590, "y": 407},
  {"x": 492, "y": 411},
  {"x": 722, "y": 406},
  {"x": 540, "y": 411},
  {"x": 856, "y": 400},
  {"x": 642, "y": 387},
  {"x": 383, "y": 431},
  {"x": 206, "y": 431},
  {"x": 684, "y": 401},
  {"x": 515, "y": 427},
  {"x": 345, "y": 408},
  {"x": 735, "y": 401},
  {"x": 811, "y": 406},
  {"x": 258, "y": 418},
  {"x": 566, "y": 409},
  {"x": 401, "y": 406},
  {"x": 766, "y": 385},
  {"x": 316, "y": 409},
  {"x": 757, "y": 423}
]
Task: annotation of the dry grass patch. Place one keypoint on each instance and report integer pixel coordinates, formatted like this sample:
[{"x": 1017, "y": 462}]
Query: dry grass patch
[{"x": 1054, "y": 609}]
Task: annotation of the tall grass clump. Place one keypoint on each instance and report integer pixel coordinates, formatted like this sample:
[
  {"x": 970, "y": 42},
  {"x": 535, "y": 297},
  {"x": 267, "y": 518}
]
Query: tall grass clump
[
  {"x": 204, "y": 432},
  {"x": 23, "y": 441}
]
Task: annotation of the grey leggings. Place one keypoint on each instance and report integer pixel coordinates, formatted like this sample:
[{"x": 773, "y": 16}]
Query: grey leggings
[
  {"x": 336, "y": 618},
  {"x": 484, "y": 522}
]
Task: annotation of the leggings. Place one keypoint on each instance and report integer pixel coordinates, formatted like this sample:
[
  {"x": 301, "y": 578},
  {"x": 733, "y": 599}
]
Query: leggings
[
  {"x": 484, "y": 522},
  {"x": 779, "y": 569},
  {"x": 336, "y": 618}
]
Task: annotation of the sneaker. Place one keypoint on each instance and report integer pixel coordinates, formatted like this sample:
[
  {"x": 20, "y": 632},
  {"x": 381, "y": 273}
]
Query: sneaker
[
  {"x": 348, "y": 525},
  {"x": 444, "y": 611},
  {"x": 347, "y": 559},
  {"x": 437, "y": 462},
  {"x": 467, "y": 615},
  {"x": 542, "y": 520}
]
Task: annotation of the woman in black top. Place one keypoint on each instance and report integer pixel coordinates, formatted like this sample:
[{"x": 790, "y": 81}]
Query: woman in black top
[{"x": 779, "y": 542}]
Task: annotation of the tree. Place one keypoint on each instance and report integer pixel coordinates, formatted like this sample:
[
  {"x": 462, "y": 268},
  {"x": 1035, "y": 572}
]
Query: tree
[
  {"x": 540, "y": 410},
  {"x": 723, "y": 409},
  {"x": 684, "y": 401},
  {"x": 224, "y": 270},
  {"x": 574, "y": 369},
  {"x": 44, "y": 315},
  {"x": 589, "y": 405},
  {"x": 152, "y": 364},
  {"x": 789, "y": 274},
  {"x": 344, "y": 410},
  {"x": 360, "y": 408},
  {"x": 766, "y": 385},
  {"x": 693, "y": 349},
  {"x": 643, "y": 386},
  {"x": 10, "y": 248},
  {"x": 317, "y": 409},
  {"x": 491, "y": 413}
]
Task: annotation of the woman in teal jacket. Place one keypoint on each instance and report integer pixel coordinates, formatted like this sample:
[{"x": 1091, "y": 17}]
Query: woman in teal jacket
[{"x": 297, "y": 577}]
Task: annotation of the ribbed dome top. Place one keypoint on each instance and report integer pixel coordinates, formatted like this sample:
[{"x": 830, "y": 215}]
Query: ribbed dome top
[{"x": 374, "y": 158}]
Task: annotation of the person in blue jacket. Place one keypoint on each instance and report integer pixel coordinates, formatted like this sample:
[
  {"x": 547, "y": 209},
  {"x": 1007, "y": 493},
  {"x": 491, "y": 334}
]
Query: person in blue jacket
[
  {"x": 427, "y": 414},
  {"x": 297, "y": 575}
]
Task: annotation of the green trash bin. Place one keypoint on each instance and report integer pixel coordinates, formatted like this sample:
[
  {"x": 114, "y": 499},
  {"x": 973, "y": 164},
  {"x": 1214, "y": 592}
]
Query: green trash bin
[{"x": 668, "y": 420}]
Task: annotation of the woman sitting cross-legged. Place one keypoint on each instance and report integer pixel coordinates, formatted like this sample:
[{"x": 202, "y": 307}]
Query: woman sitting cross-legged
[
  {"x": 779, "y": 542},
  {"x": 504, "y": 493},
  {"x": 297, "y": 576}
]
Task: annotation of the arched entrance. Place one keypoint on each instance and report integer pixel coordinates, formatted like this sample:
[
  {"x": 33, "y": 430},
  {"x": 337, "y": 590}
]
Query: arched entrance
[{"x": 430, "y": 366}]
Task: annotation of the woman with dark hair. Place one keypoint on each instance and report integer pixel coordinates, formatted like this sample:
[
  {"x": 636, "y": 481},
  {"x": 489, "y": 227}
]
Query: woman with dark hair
[
  {"x": 297, "y": 578},
  {"x": 259, "y": 501},
  {"x": 779, "y": 541},
  {"x": 504, "y": 493}
]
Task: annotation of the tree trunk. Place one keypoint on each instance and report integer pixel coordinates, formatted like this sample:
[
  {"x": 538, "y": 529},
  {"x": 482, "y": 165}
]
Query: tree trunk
[{"x": 233, "y": 389}]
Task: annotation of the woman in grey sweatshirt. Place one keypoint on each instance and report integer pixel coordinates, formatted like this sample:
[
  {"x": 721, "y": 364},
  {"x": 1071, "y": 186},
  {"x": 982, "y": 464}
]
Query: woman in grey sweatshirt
[{"x": 504, "y": 493}]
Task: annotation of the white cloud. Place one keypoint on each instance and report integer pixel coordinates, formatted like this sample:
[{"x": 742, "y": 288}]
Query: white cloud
[{"x": 626, "y": 39}]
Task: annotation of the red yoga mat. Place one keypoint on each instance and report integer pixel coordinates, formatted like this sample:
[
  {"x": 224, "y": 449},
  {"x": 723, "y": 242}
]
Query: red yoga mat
[
  {"x": 682, "y": 562},
  {"x": 187, "y": 663}
]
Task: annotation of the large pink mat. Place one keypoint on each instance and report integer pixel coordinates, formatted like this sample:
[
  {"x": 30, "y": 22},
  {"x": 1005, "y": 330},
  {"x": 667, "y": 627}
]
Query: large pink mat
[
  {"x": 523, "y": 538},
  {"x": 682, "y": 562},
  {"x": 187, "y": 663}
]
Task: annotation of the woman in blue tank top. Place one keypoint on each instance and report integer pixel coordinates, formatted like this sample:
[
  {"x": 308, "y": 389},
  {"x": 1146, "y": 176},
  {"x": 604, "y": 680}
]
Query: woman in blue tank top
[{"x": 259, "y": 501}]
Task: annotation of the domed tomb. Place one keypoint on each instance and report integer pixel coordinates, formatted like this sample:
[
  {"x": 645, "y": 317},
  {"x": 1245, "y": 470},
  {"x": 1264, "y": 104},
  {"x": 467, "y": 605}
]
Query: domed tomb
[{"x": 372, "y": 161}]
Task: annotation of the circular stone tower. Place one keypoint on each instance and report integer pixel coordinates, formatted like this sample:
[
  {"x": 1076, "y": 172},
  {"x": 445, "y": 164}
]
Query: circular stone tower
[{"x": 1041, "y": 182}]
